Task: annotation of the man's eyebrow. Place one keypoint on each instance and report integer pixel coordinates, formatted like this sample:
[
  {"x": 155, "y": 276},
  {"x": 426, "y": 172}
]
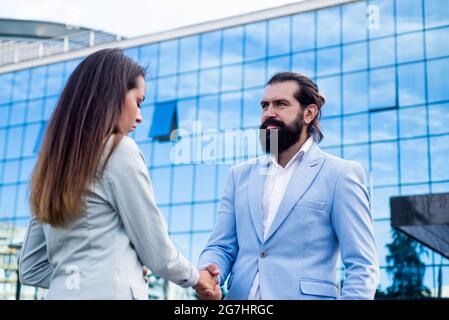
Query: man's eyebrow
[{"x": 143, "y": 99}]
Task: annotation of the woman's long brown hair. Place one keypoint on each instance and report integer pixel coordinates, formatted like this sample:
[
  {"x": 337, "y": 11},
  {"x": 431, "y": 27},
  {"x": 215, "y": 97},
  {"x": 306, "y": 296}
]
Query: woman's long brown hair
[{"x": 87, "y": 114}]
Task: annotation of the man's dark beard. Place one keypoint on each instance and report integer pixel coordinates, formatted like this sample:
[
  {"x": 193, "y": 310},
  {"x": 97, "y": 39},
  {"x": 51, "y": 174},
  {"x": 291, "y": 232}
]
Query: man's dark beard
[{"x": 285, "y": 136}]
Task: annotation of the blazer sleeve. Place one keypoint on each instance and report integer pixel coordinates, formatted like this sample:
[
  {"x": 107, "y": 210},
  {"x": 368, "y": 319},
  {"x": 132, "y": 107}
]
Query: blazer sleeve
[
  {"x": 34, "y": 267},
  {"x": 133, "y": 198},
  {"x": 352, "y": 221},
  {"x": 222, "y": 247}
]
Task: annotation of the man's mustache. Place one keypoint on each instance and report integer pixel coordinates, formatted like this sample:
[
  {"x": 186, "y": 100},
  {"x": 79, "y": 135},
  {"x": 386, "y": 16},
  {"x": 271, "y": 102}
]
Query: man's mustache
[{"x": 272, "y": 122}]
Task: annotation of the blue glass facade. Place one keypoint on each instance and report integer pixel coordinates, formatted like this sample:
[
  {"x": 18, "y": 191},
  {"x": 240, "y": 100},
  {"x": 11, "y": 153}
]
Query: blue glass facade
[{"x": 387, "y": 107}]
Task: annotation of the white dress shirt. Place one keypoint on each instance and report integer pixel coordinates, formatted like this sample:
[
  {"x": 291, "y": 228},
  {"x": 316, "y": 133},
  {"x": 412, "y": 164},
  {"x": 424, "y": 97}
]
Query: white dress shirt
[{"x": 276, "y": 184}]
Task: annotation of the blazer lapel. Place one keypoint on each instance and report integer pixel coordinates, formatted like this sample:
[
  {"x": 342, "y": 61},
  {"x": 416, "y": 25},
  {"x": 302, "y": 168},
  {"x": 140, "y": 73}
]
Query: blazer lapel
[
  {"x": 256, "y": 187},
  {"x": 300, "y": 181}
]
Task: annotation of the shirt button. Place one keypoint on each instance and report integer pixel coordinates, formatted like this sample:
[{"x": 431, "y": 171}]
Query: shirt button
[{"x": 263, "y": 254}]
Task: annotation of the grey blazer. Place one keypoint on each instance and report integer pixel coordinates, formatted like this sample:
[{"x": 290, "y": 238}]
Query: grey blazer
[{"x": 101, "y": 254}]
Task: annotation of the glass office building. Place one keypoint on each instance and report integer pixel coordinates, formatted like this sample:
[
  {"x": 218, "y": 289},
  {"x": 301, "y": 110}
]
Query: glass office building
[{"x": 383, "y": 66}]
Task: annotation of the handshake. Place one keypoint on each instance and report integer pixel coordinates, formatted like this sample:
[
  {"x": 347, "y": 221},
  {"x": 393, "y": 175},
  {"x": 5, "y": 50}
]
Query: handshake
[{"x": 208, "y": 287}]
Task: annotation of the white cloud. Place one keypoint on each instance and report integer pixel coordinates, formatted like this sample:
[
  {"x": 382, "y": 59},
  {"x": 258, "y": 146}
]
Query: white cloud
[{"x": 132, "y": 17}]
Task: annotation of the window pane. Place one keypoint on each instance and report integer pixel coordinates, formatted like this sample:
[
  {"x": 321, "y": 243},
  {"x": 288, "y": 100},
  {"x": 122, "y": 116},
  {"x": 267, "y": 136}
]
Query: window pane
[
  {"x": 160, "y": 179},
  {"x": 437, "y": 13},
  {"x": 328, "y": 22},
  {"x": 187, "y": 86},
  {"x": 354, "y": 56},
  {"x": 279, "y": 36},
  {"x": 37, "y": 85},
  {"x": 49, "y": 106},
  {"x": 209, "y": 81},
  {"x": 180, "y": 218},
  {"x": 4, "y": 115},
  {"x": 199, "y": 242},
  {"x": 186, "y": 110},
  {"x": 182, "y": 242},
  {"x": 360, "y": 154},
  {"x": 148, "y": 57},
  {"x": 414, "y": 165},
  {"x": 251, "y": 107},
  {"x": 303, "y": 31},
  {"x": 330, "y": 88},
  {"x": 7, "y": 200},
  {"x": 23, "y": 207},
  {"x": 256, "y": 42},
  {"x": 55, "y": 73},
  {"x": 18, "y": 110},
  {"x": 2, "y": 144},
  {"x": 162, "y": 153},
  {"x": 276, "y": 65},
  {"x": 14, "y": 142},
  {"x": 35, "y": 110},
  {"x": 382, "y": 91},
  {"x": 21, "y": 81},
  {"x": 439, "y": 148},
  {"x": 383, "y": 125},
  {"x": 331, "y": 129},
  {"x": 304, "y": 63},
  {"x": 437, "y": 43},
  {"x": 166, "y": 88},
  {"x": 32, "y": 134},
  {"x": 355, "y": 129},
  {"x": 411, "y": 84},
  {"x": 11, "y": 172},
  {"x": 208, "y": 112},
  {"x": 410, "y": 47},
  {"x": 204, "y": 182},
  {"x": 381, "y": 201},
  {"x": 381, "y": 52},
  {"x": 385, "y": 25},
  {"x": 254, "y": 74},
  {"x": 142, "y": 131},
  {"x": 233, "y": 45},
  {"x": 384, "y": 163},
  {"x": 6, "y": 85},
  {"x": 189, "y": 47},
  {"x": 438, "y": 78},
  {"x": 230, "y": 110},
  {"x": 231, "y": 78},
  {"x": 439, "y": 118},
  {"x": 355, "y": 92},
  {"x": 168, "y": 57},
  {"x": 182, "y": 184},
  {"x": 328, "y": 61},
  {"x": 26, "y": 169},
  {"x": 408, "y": 15},
  {"x": 210, "y": 49},
  {"x": 413, "y": 122},
  {"x": 354, "y": 21}
]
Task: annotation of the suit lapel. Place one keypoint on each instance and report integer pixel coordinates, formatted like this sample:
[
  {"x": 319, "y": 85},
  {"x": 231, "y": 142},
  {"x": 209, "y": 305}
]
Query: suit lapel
[
  {"x": 300, "y": 181},
  {"x": 256, "y": 187}
]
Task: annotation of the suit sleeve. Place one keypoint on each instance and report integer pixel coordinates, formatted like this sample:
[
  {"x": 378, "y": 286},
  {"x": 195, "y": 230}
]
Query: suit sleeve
[
  {"x": 222, "y": 246},
  {"x": 34, "y": 267},
  {"x": 352, "y": 221},
  {"x": 133, "y": 198}
]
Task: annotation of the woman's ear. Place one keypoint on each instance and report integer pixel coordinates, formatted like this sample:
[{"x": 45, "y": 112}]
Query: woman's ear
[{"x": 310, "y": 113}]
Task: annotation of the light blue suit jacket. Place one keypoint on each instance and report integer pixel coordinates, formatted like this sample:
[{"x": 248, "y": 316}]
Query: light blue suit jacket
[{"x": 324, "y": 212}]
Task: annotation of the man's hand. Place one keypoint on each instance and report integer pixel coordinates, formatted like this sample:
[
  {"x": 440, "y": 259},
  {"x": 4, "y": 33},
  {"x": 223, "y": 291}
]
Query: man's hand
[{"x": 208, "y": 287}]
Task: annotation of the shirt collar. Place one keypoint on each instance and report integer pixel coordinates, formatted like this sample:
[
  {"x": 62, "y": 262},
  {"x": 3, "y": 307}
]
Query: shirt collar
[{"x": 298, "y": 155}]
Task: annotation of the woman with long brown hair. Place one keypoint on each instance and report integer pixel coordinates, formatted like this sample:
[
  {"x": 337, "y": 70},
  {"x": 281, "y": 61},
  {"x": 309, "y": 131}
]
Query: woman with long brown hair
[{"x": 94, "y": 222}]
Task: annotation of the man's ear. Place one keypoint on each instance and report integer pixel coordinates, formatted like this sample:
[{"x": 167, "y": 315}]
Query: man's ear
[{"x": 310, "y": 113}]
